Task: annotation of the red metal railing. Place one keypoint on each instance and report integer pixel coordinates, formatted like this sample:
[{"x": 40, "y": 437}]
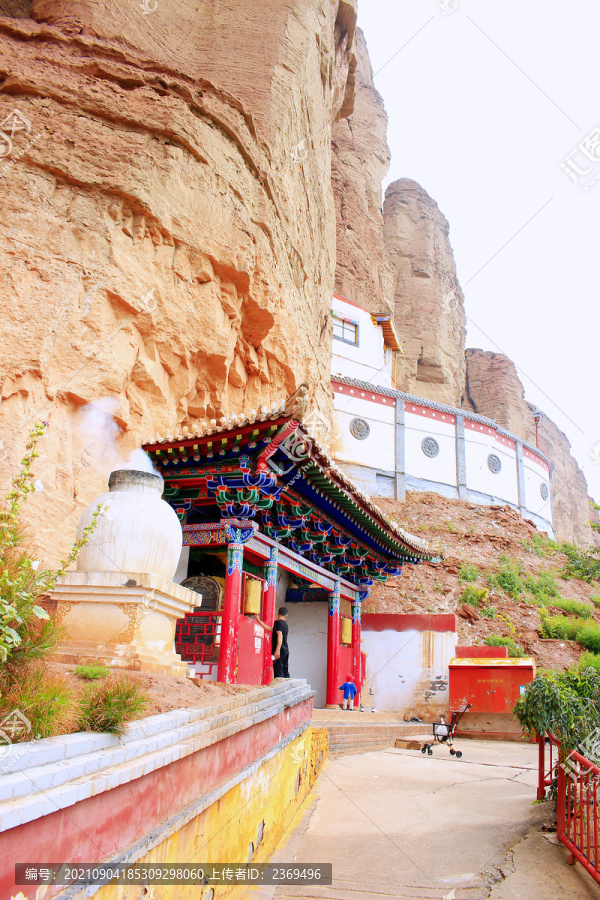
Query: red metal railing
[
  {"x": 197, "y": 636},
  {"x": 578, "y": 786}
]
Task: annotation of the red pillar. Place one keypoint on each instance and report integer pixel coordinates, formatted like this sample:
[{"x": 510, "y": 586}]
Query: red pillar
[
  {"x": 230, "y": 620},
  {"x": 268, "y": 611},
  {"x": 333, "y": 648},
  {"x": 356, "y": 631}
]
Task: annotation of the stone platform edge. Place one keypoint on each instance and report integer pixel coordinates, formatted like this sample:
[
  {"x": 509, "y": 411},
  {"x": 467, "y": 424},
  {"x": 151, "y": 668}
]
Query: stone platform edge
[{"x": 55, "y": 773}]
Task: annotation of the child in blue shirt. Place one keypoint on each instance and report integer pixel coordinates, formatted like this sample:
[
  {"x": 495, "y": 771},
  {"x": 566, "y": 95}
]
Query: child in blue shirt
[{"x": 349, "y": 689}]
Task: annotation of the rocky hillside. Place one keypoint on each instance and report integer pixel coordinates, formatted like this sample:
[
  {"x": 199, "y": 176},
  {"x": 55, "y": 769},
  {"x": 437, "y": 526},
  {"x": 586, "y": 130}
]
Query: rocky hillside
[{"x": 498, "y": 573}]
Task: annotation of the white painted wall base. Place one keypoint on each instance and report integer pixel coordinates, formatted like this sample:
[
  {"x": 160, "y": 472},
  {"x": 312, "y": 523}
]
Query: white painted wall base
[{"x": 407, "y": 671}]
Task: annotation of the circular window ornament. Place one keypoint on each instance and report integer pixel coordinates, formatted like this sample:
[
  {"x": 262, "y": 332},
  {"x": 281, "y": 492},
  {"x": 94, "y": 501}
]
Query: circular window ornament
[
  {"x": 430, "y": 447},
  {"x": 360, "y": 429},
  {"x": 544, "y": 490},
  {"x": 494, "y": 463}
]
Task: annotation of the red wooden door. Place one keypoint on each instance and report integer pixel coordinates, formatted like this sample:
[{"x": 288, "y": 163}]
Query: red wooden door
[{"x": 250, "y": 651}]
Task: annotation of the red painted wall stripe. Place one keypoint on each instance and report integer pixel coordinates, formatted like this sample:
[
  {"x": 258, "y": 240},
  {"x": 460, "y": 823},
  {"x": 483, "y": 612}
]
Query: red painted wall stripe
[
  {"x": 97, "y": 828},
  {"x": 409, "y": 622},
  {"x": 359, "y": 394}
]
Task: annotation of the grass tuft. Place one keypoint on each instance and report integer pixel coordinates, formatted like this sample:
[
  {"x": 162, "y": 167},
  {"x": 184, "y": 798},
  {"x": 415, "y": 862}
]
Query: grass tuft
[
  {"x": 47, "y": 700},
  {"x": 467, "y": 573},
  {"x": 93, "y": 672},
  {"x": 110, "y": 705}
]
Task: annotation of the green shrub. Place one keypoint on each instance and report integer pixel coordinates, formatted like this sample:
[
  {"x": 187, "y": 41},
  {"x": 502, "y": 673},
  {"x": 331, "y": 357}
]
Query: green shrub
[
  {"x": 474, "y": 595},
  {"x": 488, "y": 612},
  {"x": 22, "y": 584},
  {"x": 46, "y": 699},
  {"x": 564, "y": 703},
  {"x": 112, "y": 704},
  {"x": 543, "y": 586},
  {"x": 92, "y": 673},
  {"x": 589, "y": 660},
  {"x": 558, "y": 628},
  {"x": 595, "y": 598},
  {"x": 543, "y": 545},
  {"x": 588, "y": 635},
  {"x": 508, "y": 578},
  {"x": 573, "y": 607},
  {"x": 496, "y": 640},
  {"x": 581, "y": 563},
  {"x": 467, "y": 573}
]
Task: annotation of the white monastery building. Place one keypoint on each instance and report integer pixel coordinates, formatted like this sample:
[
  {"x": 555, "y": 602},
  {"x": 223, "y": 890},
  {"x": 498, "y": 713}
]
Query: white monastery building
[{"x": 391, "y": 442}]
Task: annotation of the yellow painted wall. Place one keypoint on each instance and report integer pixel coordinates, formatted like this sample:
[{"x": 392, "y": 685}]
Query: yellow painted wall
[{"x": 269, "y": 797}]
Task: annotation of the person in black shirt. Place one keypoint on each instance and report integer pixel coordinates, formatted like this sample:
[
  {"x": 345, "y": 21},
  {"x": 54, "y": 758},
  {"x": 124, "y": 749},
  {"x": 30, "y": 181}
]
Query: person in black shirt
[{"x": 279, "y": 645}]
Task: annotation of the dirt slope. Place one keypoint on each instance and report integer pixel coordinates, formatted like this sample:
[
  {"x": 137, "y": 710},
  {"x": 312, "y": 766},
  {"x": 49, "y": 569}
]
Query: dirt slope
[{"x": 466, "y": 534}]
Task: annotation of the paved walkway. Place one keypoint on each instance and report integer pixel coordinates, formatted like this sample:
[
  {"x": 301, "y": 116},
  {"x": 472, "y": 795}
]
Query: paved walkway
[{"x": 395, "y": 823}]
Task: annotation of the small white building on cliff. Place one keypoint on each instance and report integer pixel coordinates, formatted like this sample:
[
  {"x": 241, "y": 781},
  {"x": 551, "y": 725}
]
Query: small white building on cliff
[{"x": 391, "y": 442}]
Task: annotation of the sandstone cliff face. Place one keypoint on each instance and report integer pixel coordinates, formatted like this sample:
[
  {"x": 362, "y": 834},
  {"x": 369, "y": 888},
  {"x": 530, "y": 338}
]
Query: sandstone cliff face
[
  {"x": 361, "y": 159},
  {"x": 169, "y": 229},
  {"x": 494, "y": 389},
  {"x": 428, "y": 301}
]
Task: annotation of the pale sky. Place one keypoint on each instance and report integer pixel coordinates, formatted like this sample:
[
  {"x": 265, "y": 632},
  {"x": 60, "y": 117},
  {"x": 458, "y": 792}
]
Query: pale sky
[{"x": 484, "y": 102}]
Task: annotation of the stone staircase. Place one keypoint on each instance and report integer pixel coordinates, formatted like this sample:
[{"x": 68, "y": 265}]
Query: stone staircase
[{"x": 356, "y": 732}]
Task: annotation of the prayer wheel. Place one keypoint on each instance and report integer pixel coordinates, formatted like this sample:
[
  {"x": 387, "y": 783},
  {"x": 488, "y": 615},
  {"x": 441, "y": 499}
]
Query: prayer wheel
[
  {"x": 346, "y": 631},
  {"x": 253, "y": 597}
]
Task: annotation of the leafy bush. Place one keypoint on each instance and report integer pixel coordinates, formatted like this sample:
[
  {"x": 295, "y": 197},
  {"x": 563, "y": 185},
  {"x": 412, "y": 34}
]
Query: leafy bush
[
  {"x": 508, "y": 578},
  {"x": 573, "y": 607},
  {"x": 564, "y": 703},
  {"x": 581, "y": 563},
  {"x": 583, "y": 631},
  {"x": 496, "y": 640},
  {"x": 21, "y": 584},
  {"x": 543, "y": 587},
  {"x": 46, "y": 699},
  {"x": 488, "y": 612},
  {"x": 558, "y": 628},
  {"x": 93, "y": 672},
  {"x": 588, "y": 635},
  {"x": 595, "y": 598},
  {"x": 589, "y": 660},
  {"x": 112, "y": 704},
  {"x": 467, "y": 573},
  {"x": 474, "y": 595},
  {"x": 542, "y": 545}
]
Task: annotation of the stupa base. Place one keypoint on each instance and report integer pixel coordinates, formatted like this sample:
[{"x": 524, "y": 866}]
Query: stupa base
[{"x": 121, "y": 620}]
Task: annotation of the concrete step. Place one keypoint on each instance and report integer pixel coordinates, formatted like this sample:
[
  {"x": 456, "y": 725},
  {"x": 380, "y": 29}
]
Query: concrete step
[
  {"x": 354, "y": 715},
  {"x": 358, "y": 736}
]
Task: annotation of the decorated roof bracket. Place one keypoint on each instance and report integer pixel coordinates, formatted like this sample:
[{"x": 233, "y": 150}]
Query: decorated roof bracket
[{"x": 269, "y": 468}]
